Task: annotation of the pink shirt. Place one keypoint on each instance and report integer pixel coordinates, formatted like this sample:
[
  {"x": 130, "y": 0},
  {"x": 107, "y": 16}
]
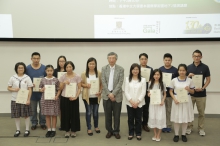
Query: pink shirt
[{"x": 76, "y": 79}]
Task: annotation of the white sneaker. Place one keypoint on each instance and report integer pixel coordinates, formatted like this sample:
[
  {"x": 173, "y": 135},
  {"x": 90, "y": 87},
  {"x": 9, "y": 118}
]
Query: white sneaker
[
  {"x": 201, "y": 132},
  {"x": 188, "y": 131}
]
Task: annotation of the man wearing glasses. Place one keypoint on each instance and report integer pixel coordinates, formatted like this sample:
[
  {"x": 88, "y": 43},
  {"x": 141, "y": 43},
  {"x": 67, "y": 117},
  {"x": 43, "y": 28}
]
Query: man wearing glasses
[{"x": 199, "y": 97}]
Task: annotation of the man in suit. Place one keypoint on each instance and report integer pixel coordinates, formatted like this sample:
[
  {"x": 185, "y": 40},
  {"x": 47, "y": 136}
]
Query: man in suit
[{"x": 112, "y": 80}]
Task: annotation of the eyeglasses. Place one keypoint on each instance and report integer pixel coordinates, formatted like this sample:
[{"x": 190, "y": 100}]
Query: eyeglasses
[{"x": 196, "y": 56}]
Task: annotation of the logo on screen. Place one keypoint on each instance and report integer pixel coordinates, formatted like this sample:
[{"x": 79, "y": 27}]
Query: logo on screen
[
  {"x": 216, "y": 28},
  {"x": 118, "y": 25},
  {"x": 118, "y": 29},
  {"x": 195, "y": 27},
  {"x": 217, "y": 1},
  {"x": 152, "y": 28}
]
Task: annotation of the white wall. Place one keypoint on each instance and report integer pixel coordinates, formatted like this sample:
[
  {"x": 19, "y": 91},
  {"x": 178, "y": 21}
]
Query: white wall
[{"x": 79, "y": 52}]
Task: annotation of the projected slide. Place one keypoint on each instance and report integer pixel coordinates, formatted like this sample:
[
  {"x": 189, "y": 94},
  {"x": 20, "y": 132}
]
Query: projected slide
[
  {"x": 157, "y": 26},
  {"x": 89, "y": 19},
  {"x": 6, "y": 26}
]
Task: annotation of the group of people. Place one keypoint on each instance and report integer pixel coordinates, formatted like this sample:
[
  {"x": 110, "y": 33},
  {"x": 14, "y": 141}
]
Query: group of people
[{"x": 141, "y": 113}]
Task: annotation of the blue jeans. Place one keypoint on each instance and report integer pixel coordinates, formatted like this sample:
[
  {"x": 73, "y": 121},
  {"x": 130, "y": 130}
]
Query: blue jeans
[
  {"x": 91, "y": 109},
  {"x": 34, "y": 119}
]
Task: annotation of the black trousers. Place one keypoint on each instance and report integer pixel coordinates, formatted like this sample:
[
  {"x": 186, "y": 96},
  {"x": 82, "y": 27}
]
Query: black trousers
[
  {"x": 146, "y": 110},
  {"x": 134, "y": 120},
  {"x": 70, "y": 118}
]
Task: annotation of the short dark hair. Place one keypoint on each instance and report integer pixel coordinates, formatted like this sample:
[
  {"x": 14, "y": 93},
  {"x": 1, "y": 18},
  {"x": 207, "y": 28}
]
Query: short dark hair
[
  {"x": 131, "y": 68},
  {"x": 20, "y": 63},
  {"x": 49, "y": 66},
  {"x": 182, "y": 65},
  {"x": 197, "y": 51},
  {"x": 167, "y": 55},
  {"x": 69, "y": 62},
  {"x": 35, "y": 53},
  {"x": 87, "y": 67},
  {"x": 143, "y": 54},
  {"x": 58, "y": 67}
]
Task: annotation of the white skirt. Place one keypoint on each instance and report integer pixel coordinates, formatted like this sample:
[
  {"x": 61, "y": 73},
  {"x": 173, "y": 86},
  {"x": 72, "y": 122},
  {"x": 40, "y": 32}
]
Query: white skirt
[
  {"x": 157, "y": 116},
  {"x": 182, "y": 112}
]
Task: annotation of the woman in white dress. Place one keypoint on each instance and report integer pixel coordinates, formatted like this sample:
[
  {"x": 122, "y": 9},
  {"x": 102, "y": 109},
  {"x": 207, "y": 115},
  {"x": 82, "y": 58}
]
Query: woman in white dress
[
  {"x": 181, "y": 112},
  {"x": 157, "y": 112},
  {"x": 135, "y": 90}
]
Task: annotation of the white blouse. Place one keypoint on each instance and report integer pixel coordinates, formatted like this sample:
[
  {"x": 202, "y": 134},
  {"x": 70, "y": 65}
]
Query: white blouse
[
  {"x": 19, "y": 82},
  {"x": 135, "y": 90}
]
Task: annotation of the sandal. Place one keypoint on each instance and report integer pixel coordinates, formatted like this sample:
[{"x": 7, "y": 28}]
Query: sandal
[
  {"x": 73, "y": 134},
  {"x": 67, "y": 135}
]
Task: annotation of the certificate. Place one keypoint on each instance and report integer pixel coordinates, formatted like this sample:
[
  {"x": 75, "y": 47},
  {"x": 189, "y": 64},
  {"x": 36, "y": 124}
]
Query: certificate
[
  {"x": 60, "y": 74},
  {"x": 94, "y": 89},
  {"x": 36, "y": 82},
  {"x": 155, "y": 96},
  {"x": 145, "y": 72},
  {"x": 70, "y": 90},
  {"x": 197, "y": 80},
  {"x": 49, "y": 92},
  {"x": 22, "y": 96},
  {"x": 167, "y": 78},
  {"x": 182, "y": 95}
]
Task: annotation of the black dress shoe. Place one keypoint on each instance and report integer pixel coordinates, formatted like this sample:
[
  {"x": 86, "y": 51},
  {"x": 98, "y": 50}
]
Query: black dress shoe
[
  {"x": 17, "y": 133},
  {"x": 97, "y": 131},
  {"x": 44, "y": 127},
  {"x": 130, "y": 137},
  {"x": 109, "y": 135},
  {"x": 53, "y": 133},
  {"x": 90, "y": 134},
  {"x": 184, "y": 139},
  {"x": 176, "y": 138},
  {"x": 139, "y": 138},
  {"x": 27, "y": 133},
  {"x": 117, "y": 136},
  {"x": 48, "y": 133}
]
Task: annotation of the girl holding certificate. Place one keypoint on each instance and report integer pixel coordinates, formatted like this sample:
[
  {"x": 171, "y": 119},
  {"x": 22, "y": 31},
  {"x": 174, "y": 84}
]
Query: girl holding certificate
[
  {"x": 157, "y": 111},
  {"x": 181, "y": 112},
  {"x": 20, "y": 81},
  {"x": 70, "y": 84},
  {"x": 91, "y": 95},
  {"x": 50, "y": 104},
  {"x": 60, "y": 68},
  {"x": 135, "y": 90}
]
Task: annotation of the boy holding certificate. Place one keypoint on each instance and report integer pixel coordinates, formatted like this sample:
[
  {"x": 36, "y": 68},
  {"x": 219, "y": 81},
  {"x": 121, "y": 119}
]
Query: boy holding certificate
[
  {"x": 50, "y": 104},
  {"x": 182, "y": 110},
  {"x": 169, "y": 72},
  {"x": 147, "y": 73},
  {"x": 20, "y": 81},
  {"x": 199, "y": 73},
  {"x": 157, "y": 113}
]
